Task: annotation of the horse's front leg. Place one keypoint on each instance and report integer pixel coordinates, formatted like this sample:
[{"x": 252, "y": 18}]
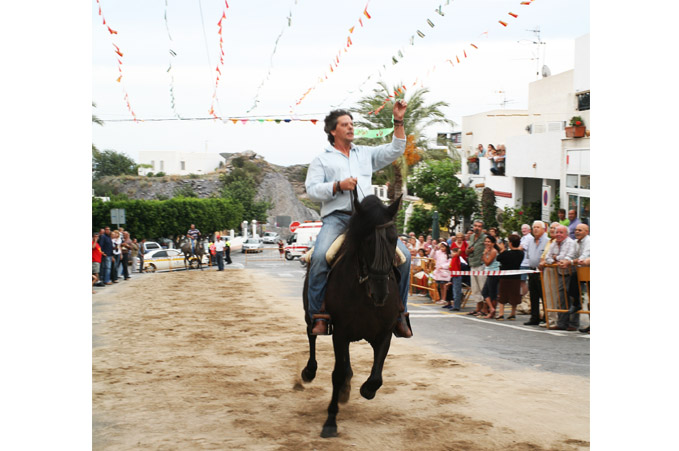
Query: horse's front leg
[
  {"x": 309, "y": 371},
  {"x": 341, "y": 348},
  {"x": 346, "y": 388},
  {"x": 380, "y": 350}
]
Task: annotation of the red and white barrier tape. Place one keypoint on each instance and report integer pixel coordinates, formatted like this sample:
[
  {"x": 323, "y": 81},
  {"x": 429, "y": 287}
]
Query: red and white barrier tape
[{"x": 509, "y": 272}]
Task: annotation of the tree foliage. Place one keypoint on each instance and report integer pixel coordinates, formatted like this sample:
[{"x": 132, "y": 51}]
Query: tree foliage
[
  {"x": 488, "y": 208},
  {"x": 434, "y": 182},
  {"x": 420, "y": 221},
  {"x": 164, "y": 218},
  {"x": 240, "y": 186},
  {"x": 110, "y": 162}
]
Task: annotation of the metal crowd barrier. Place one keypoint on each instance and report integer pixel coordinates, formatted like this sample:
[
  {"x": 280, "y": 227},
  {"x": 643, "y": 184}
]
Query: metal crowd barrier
[{"x": 555, "y": 285}]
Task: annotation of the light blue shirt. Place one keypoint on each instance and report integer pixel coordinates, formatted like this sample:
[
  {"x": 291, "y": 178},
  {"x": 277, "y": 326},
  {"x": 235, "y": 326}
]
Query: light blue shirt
[{"x": 332, "y": 166}]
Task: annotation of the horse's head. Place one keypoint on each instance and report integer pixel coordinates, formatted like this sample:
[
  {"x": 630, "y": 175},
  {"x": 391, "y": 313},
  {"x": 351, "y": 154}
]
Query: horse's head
[{"x": 373, "y": 233}]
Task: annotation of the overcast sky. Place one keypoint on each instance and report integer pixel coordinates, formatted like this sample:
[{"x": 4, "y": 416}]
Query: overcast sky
[{"x": 499, "y": 70}]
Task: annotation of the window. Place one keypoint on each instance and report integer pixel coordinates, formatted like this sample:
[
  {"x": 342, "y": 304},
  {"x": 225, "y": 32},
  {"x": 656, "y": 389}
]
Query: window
[
  {"x": 577, "y": 181},
  {"x": 182, "y": 165},
  {"x": 581, "y": 206},
  {"x": 162, "y": 165},
  {"x": 153, "y": 165},
  {"x": 583, "y": 101}
]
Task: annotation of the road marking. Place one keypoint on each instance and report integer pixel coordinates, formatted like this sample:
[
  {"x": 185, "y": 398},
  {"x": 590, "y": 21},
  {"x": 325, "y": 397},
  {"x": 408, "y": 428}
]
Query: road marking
[{"x": 462, "y": 315}]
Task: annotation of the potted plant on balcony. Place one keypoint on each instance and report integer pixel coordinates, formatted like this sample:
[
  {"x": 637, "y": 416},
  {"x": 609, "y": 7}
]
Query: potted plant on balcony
[{"x": 577, "y": 128}]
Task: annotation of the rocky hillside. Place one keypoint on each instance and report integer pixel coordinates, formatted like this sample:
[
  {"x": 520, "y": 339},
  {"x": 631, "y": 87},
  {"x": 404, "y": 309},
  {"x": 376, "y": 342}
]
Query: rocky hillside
[{"x": 282, "y": 186}]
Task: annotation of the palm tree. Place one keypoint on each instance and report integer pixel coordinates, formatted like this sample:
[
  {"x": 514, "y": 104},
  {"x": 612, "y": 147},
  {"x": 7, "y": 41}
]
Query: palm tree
[{"x": 418, "y": 117}]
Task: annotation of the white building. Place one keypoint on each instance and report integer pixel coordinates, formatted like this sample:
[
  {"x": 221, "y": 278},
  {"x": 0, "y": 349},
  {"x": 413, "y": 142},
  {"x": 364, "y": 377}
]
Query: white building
[
  {"x": 179, "y": 163},
  {"x": 541, "y": 161}
]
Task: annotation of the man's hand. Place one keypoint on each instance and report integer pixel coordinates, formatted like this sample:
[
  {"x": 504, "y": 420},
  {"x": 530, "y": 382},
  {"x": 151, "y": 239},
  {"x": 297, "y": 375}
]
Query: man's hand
[
  {"x": 348, "y": 184},
  {"x": 399, "y": 109}
]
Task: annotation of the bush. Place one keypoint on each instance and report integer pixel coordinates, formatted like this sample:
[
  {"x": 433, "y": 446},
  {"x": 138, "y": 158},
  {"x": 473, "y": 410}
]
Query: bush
[
  {"x": 152, "y": 218},
  {"x": 160, "y": 174},
  {"x": 150, "y": 174}
]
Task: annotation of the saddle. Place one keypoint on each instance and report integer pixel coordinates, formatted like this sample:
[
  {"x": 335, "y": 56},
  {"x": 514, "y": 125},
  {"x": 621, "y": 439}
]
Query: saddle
[{"x": 331, "y": 254}]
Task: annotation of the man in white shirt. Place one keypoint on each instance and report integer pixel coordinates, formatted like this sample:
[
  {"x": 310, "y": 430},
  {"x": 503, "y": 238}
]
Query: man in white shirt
[{"x": 219, "y": 250}]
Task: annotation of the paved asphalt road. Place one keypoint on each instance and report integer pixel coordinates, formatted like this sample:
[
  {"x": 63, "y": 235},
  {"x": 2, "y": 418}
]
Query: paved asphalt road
[{"x": 506, "y": 345}]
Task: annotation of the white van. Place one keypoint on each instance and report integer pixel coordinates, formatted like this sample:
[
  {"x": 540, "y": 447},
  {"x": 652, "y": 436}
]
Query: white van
[{"x": 303, "y": 239}]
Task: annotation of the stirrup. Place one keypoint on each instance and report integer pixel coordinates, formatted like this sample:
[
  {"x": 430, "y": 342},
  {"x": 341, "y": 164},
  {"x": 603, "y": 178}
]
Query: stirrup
[{"x": 322, "y": 317}]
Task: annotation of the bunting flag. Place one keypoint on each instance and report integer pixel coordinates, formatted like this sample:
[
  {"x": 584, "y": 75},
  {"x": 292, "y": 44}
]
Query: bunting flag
[
  {"x": 117, "y": 51},
  {"x": 336, "y": 60},
  {"x": 260, "y": 120},
  {"x": 447, "y": 60},
  {"x": 372, "y": 134},
  {"x": 169, "y": 67},
  {"x": 255, "y": 101},
  {"x": 221, "y": 63}
]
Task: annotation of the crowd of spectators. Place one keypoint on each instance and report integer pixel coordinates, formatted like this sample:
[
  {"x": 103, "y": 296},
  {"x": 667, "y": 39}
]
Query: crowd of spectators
[
  {"x": 484, "y": 250},
  {"x": 496, "y": 157},
  {"x": 113, "y": 252}
]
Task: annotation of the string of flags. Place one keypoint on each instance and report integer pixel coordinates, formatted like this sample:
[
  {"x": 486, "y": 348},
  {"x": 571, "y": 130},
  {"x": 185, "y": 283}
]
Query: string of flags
[
  {"x": 169, "y": 68},
  {"x": 336, "y": 60},
  {"x": 400, "y": 53},
  {"x": 119, "y": 58},
  {"x": 448, "y": 60},
  {"x": 255, "y": 102},
  {"x": 218, "y": 71}
]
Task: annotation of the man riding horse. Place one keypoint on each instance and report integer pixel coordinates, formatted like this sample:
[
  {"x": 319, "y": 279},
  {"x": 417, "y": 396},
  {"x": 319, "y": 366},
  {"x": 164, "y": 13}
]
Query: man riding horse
[
  {"x": 331, "y": 178},
  {"x": 194, "y": 235}
]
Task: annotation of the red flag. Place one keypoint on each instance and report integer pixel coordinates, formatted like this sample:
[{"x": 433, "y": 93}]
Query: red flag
[
  {"x": 513, "y": 15},
  {"x": 226, "y": 3},
  {"x": 365, "y": 12},
  {"x": 360, "y": 21},
  {"x": 465, "y": 53},
  {"x": 349, "y": 41},
  {"x": 504, "y": 24},
  {"x": 313, "y": 121},
  {"x": 118, "y": 52},
  {"x": 110, "y": 30},
  {"x": 474, "y": 46}
]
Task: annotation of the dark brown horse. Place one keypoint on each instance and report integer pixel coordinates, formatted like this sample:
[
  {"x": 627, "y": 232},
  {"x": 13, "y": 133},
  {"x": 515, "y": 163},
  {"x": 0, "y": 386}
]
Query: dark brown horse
[{"x": 362, "y": 298}]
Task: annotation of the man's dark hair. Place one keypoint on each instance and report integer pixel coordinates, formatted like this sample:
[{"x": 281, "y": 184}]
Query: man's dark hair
[
  {"x": 331, "y": 122},
  {"x": 514, "y": 239}
]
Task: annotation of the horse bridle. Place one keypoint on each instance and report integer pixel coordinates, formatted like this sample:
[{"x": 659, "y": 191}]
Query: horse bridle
[{"x": 380, "y": 231}]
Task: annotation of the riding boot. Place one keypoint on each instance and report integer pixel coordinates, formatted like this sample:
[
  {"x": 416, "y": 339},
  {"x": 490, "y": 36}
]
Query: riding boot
[
  {"x": 402, "y": 328},
  {"x": 321, "y": 324}
]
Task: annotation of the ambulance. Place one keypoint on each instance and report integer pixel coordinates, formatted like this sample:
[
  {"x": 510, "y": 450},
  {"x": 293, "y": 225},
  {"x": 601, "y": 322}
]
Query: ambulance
[{"x": 302, "y": 239}]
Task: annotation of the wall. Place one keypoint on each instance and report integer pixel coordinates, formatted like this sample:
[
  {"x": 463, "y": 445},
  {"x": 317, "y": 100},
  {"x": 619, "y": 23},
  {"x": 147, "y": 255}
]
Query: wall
[{"x": 195, "y": 163}]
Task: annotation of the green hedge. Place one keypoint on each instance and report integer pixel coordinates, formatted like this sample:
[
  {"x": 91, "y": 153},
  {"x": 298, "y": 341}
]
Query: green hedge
[{"x": 163, "y": 218}]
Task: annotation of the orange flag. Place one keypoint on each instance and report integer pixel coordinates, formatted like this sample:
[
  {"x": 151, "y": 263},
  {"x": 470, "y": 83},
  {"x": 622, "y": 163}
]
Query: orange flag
[
  {"x": 474, "y": 46},
  {"x": 118, "y": 80},
  {"x": 365, "y": 12},
  {"x": 110, "y": 30},
  {"x": 504, "y": 24},
  {"x": 351, "y": 30},
  {"x": 118, "y": 52},
  {"x": 513, "y": 15}
]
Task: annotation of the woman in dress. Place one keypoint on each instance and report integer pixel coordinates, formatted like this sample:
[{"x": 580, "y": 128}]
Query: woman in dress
[
  {"x": 510, "y": 286},
  {"x": 490, "y": 263}
]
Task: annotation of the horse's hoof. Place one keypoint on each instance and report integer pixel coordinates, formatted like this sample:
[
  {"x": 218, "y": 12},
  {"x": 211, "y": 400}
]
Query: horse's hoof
[
  {"x": 329, "y": 431},
  {"x": 308, "y": 375},
  {"x": 366, "y": 392}
]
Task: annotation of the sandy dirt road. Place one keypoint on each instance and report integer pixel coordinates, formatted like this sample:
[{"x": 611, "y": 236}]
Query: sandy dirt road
[{"x": 212, "y": 360}]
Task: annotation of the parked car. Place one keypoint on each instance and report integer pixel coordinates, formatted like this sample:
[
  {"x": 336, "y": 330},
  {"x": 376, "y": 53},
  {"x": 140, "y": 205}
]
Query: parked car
[
  {"x": 165, "y": 259},
  {"x": 253, "y": 245},
  {"x": 270, "y": 238},
  {"x": 150, "y": 246}
]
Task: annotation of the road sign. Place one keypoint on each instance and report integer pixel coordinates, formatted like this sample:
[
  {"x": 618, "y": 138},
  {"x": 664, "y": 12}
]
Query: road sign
[
  {"x": 294, "y": 226},
  {"x": 117, "y": 216}
]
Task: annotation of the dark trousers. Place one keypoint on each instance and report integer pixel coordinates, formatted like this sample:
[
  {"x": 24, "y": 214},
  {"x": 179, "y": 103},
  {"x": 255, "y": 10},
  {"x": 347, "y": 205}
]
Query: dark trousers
[
  {"x": 227, "y": 255},
  {"x": 567, "y": 319},
  {"x": 115, "y": 261},
  {"x": 535, "y": 293},
  {"x": 126, "y": 262},
  {"x": 220, "y": 260},
  {"x": 141, "y": 262}
]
